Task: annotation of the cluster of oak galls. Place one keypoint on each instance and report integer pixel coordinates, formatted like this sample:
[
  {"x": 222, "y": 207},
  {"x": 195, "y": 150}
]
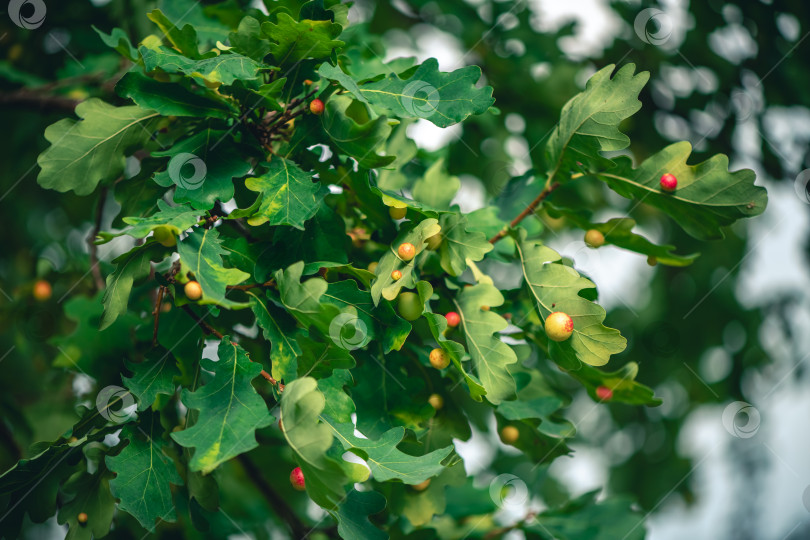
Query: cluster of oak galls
[{"x": 559, "y": 326}]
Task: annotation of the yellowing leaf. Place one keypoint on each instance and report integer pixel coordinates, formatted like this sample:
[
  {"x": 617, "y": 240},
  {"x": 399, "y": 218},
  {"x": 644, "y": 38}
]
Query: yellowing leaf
[
  {"x": 230, "y": 410},
  {"x": 290, "y": 196}
]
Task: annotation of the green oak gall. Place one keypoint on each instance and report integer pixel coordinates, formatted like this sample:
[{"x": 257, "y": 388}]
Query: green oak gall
[{"x": 594, "y": 238}]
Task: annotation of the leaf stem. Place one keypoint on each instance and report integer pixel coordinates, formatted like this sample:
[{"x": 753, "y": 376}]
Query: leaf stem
[
  {"x": 269, "y": 283},
  {"x": 528, "y": 210}
]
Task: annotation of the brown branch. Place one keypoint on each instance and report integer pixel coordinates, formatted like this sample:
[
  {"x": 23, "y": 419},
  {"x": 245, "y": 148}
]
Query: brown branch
[
  {"x": 270, "y": 283},
  {"x": 528, "y": 210},
  {"x": 206, "y": 328},
  {"x": 68, "y": 81},
  {"x": 298, "y": 101},
  {"x": 94, "y": 267},
  {"x": 43, "y": 98},
  {"x": 7, "y": 436},
  {"x": 49, "y": 102},
  {"x": 283, "y": 510},
  {"x": 210, "y": 330},
  {"x": 156, "y": 313},
  {"x": 288, "y": 112}
]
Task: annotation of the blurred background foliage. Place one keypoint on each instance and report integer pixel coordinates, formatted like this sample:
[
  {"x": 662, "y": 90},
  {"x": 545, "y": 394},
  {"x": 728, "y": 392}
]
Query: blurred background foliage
[{"x": 730, "y": 78}]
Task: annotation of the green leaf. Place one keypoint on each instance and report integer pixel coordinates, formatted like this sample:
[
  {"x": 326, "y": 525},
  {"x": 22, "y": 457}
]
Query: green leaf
[
  {"x": 420, "y": 506},
  {"x": 155, "y": 375},
  {"x": 436, "y": 188},
  {"x": 281, "y": 332},
  {"x": 622, "y": 382},
  {"x": 230, "y": 410},
  {"x": 135, "y": 264},
  {"x": 193, "y": 13},
  {"x": 319, "y": 359},
  {"x": 301, "y": 406},
  {"x": 585, "y": 518},
  {"x": 84, "y": 153},
  {"x": 384, "y": 286},
  {"x": 367, "y": 321},
  {"x": 249, "y": 41},
  {"x": 253, "y": 95},
  {"x": 490, "y": 356},
  {"x": 460, "y": 245},
  {"x": 589, "y": 122},
  {"x": 338, "y": 404},
  {"x": 348, "y": 126},
  {"x": 31, "y": 486},
  {"x": 180, "y": 333},
  {"x": 540, "y": 408},
  {"x": 225, "y": 68},
  {"x": 178, "y": 218},
  {"x": 184, "y": 40},
  {"x": 364, "y": 64},
  {"x": 119, "y": 40},
  {"x": 88, "y": 493},
  {"x": 201, "y": 252},
  {"x": 353, "y": 513},
  {"x": 322, "y": 244},
  {"x": 136, "y": 195},
  {"x": 87, "y": 346},
  {"x": 171, "y": 99},
  {"x": 619, "y": 232},
  {"x": 143, "y": 474},
  {"x": 293, "y": 41},
  {"x": 708, "y": 195},
  {"x": 289, "y": 195},
  {"x": 556, "y": 287},
  {"x": 383, "y": 457},
  {"x": 304, "y": 300},
  {"x": 245, "y": 255},
  {"x": 215, "y": 161},
  {"x": 423, "y": 92},
  {"x": 456, "y": 352},
  {"x": 391, "y": 178}
]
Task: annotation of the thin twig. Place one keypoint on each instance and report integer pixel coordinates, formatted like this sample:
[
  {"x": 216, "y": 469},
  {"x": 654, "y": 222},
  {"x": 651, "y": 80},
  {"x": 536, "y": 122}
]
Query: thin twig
[
  {"x": 156, "y": 312},
  {"x": 528, "y": 210},
  {"x": 94, "y": 268},
  {"x": 277, "y": 503},
  {"x": 270, "y": 283},
  {"x": 43, "y": 102},
  {"x": 9, "y": 442}
]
